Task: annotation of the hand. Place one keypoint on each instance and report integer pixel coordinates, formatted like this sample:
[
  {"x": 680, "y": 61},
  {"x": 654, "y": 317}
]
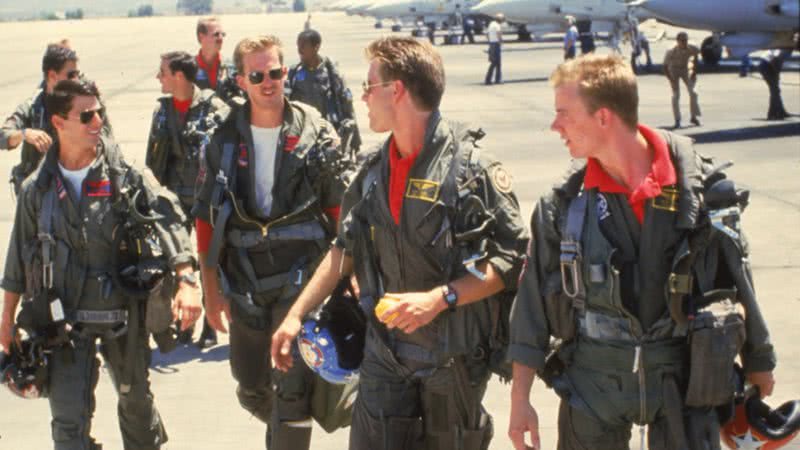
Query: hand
[
  {"x": 523, "y": 419},
  {"x": 186, "y": 306},
  {"x": 414, "y": 309},
  {"x": 6, "y": 334},
  {"x": 38, "y": 138},
  {"x": 281, "y": 349},
  {"x": 764, "y": 380},
  {"x": 216, "y": 305}
]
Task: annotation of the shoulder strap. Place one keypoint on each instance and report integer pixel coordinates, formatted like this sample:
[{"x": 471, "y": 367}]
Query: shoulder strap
[
  {"x": 45, "y": 235},
  {"x": 571, "y": 251},
  {"x": 223, "y": 182}
]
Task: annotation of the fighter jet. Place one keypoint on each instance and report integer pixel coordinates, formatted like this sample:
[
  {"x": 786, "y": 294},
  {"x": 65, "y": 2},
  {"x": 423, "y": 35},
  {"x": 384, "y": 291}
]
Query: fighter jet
[
  {"x": 549, "y": 16},
  {"x": 743, "y": 26}
]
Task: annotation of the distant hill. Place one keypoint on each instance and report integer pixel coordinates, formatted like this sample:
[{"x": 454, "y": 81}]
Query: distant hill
[{"x": 16, "y": 10}]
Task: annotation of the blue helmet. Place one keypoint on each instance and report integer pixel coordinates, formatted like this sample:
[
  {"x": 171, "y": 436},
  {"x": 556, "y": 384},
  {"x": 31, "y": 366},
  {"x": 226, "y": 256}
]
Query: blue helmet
[{"x": 331, "y": 341}]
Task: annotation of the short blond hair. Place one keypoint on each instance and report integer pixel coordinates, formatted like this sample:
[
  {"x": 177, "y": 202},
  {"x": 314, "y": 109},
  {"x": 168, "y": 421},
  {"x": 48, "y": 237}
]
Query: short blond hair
[
  {"x": 604, "y": 81},
  {"x": 255, "y": 44},
  {"x": 416, "y": 63},
  {"x": 202, "y": 25}
]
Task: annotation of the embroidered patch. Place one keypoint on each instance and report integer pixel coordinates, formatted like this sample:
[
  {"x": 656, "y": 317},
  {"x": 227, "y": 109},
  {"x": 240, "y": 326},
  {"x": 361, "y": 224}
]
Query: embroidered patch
[
  {"x": 201, "y": 74},
  {"x": 426, "y": 190},
  {"x": 501, "y": 179},
  {"x": 243, "y": 161},
  {"x": 301, "y": 75},
  {"x": 60, "y": 190},
  {"x": 667, "y": 199},
  {"x": 311, "y": 353},
  {"x": 101, "y": 188},
  {"x": 290, "y": 142},
  {"x": 602, "y": 207}
]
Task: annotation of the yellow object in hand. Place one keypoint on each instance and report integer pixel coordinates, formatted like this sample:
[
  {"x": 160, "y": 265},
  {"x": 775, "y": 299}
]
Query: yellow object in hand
[{"x": 384, "y": 304}]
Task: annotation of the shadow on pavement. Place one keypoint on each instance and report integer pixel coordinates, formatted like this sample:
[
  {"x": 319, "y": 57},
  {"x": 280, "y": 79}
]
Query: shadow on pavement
[
  {"x": 781, "y": 129},
  {"x": 518, "y": 80},
  {"x": 165, "y": 363}
]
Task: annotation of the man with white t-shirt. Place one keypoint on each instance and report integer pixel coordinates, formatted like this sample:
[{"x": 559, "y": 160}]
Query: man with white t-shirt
[
  {"x": 495, "y": 36},
  {"x": 266, "y": 211}
]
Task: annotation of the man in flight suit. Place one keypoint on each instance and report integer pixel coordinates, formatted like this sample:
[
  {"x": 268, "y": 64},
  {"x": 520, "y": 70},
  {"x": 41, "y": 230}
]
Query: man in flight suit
[
  {"x": 61, "y": 253},
  {"x": 680, "y": 63},
  {"x": 30, "y": 122},
  {"x": 623, "y": 264},
  {"x": 266, "y": 213},
  {"x": 315, "y": 81},
  {"x": 183, "y": 123},
  {"x": 403, "y": 231},
  {"x": 212, "y": 72}
]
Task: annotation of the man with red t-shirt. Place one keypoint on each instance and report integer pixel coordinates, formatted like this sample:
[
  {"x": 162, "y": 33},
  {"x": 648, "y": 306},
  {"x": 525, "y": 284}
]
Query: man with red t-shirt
[
  {"x": 183, "y": 123},
  {"x": 626, "y": 270}
]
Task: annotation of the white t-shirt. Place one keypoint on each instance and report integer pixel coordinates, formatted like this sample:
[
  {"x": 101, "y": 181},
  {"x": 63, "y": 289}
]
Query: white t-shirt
[
  {"x": 75, "y": 178},
  {"x": 265, "y": 141},
  {"x": 493, "y": 32}
]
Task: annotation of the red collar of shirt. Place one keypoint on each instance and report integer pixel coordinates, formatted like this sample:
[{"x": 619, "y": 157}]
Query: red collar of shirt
[
  {"x": 210, "y": 71},
  {"x": 181, "y": 105},
  {"x": 662, "y": 173},
  {"x": 398, "y": 175}
]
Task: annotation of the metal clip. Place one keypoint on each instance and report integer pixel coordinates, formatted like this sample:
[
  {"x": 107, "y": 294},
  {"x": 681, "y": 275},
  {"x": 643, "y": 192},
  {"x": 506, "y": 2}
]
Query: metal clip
[
  {"x": 221, "y": 178},
  {"x": 570, "y": 255},
  {"x": 470, "y": 264},
  {"x": 47, "y": 275},
  {"x": 299, "y": 280}
]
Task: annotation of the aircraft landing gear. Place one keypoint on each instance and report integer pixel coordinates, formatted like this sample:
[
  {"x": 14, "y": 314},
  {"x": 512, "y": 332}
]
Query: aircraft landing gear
[{"x": 711, "y": 51}]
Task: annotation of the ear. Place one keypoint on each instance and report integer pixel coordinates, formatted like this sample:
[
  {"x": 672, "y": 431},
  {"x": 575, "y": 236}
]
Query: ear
[
  {"x": 51, "y": 76},
  {"x": 603, "y": 116},
  {"x": 57, "y": 121}
]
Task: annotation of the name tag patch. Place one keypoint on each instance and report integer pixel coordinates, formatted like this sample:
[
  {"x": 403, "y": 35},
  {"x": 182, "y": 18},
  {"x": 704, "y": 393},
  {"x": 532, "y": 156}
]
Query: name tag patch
[
  {"x": 243, "y": 161},
  {"x": 425, "y": 190},
  {"x": 667, "y": 199}
]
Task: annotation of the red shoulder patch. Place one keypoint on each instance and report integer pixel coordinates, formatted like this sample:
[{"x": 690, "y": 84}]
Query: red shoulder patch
[{"x": 290, "y": 143}]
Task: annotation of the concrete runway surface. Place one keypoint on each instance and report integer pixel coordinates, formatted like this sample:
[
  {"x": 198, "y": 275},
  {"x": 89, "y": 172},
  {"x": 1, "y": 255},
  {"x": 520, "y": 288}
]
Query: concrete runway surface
[{"x": 194, "y": 390}]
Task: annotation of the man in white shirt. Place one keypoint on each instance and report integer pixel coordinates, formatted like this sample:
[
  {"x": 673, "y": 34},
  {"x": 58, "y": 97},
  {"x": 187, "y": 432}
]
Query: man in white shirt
[
  {"x": 495, "y": 36},
  {"x": 570, "y": 39}
]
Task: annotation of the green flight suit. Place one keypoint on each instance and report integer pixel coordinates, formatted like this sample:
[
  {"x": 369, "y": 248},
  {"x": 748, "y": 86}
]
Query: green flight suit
[
  {"x": 264, "y": 262},
  {"x": 626, "y": 359},
  {"x": 176, "y": 144},
  {"x": 434, "y": 378},
  {"x": 82, "y": 255},
  {"x": 226, "y": 87}
]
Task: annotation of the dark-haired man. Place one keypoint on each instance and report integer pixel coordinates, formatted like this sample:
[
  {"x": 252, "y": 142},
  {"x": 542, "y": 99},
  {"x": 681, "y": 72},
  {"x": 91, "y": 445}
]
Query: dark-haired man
[
  {"x": 183, "y": 123},
  {"x": 30, "y": 122},
  {"x": 266, "y": 212},
  {"x": 431, "y": 223},
  {"x": 60, "y": 261},
  {"x": 316, "y": 81}
]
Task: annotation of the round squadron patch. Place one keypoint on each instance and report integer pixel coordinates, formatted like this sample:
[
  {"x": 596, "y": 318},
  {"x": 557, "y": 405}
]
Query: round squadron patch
[{"x": 501, "y": 179}]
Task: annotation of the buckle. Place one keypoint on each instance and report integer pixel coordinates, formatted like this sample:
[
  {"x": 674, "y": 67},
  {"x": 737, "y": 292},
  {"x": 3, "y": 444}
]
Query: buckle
[
  {"x": 726, "y": 220},
  {"x": 570, "y": 275},
  {"x": 470, "y": 263},
  {"x": 47, "y": 275},
  {"x": 679, "y": 284},
  {"x": 221, "y": 178}
]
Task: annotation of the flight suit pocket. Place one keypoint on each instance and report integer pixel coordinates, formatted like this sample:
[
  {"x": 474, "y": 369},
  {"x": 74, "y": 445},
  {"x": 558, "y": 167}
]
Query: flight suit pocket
[
  {"x": 716, "y": 337},
  {"x": 559, "y": 309}
]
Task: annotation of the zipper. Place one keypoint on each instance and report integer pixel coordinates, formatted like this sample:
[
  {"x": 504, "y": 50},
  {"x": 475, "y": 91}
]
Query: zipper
[{"x": 265, "y": 227}]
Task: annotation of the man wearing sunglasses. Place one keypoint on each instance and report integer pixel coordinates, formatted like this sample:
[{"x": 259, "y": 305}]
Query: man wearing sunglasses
[
  {"x": 30, "y": 122},
  {"x": 266, "y": 212},
  {"x": 60, "y": 260},
  {"x": 212, "y": 73},
  {"x": 315, "y": 81},
  {"x": 183, "y": 123},
  {"x": 430, "y": 227}
]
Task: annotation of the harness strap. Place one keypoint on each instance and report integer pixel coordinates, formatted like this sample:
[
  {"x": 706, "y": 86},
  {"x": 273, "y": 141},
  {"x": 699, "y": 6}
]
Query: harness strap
[
  {"x": 218, "y": 234},
  {"x": 46, "y": 236},
  {"x": 304, "y": 231},
  {"x": 571, "y": 252},
  {"x": 101, "y": 317}
]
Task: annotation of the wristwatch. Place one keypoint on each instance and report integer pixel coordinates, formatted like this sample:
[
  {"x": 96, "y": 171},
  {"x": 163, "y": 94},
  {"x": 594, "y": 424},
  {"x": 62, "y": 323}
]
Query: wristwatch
[
  {"x": 189, "y": 278},
  {"x": 450, "y": 297}
]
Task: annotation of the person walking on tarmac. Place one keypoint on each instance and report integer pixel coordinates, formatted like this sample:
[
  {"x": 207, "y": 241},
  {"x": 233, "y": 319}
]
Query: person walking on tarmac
[
  {"x": 570, "y": 39},
  {"x": 183, "y": 123},
  {"x": 212, "y": 72},
  {"x": 30, "y": 123},
  {"x": 60, "y": 260},
  {"x": 315, "y": 81},
  {"x": 680, "y": 63},
  {"x": 266, "y": 211},
  {"x": 770, "y": 69},
  {"x": 494, "y": 34},
  {"x": 430, "y": 226},
  {"x": 637, "y": 266}
]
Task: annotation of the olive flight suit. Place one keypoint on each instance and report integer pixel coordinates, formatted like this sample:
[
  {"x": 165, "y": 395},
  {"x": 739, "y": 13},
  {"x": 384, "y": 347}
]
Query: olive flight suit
[
  {"x": 176, "y": 144},
  {"x": 226, "y": 87},
  {"x": 264, "y": 262},
  {"x": 424, "y": 389},
  {"x": 626, "y": 357},
  {"x": 323, "y": 88},
  {"x": 76, "y": 238}
]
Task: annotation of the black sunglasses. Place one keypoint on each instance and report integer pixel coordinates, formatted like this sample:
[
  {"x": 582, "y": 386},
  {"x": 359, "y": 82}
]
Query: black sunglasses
[
  {"x": 256, "y": 77},
  {"x": 87, "y": 116},
  {"x": 219, "y": 34},
  {"x": 72, "y": 74}
]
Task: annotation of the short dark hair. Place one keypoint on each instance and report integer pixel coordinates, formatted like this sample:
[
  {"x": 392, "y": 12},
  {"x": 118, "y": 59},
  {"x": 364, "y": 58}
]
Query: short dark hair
[
  {"x": 202, "y": 24},
  {"x": 416, "y": 63},
  {"x": 311, "y": 36},
  {"x": 55, "y": 56},
  {"x": 60, "y": 101},
  {"x": 183, "y": 62}
]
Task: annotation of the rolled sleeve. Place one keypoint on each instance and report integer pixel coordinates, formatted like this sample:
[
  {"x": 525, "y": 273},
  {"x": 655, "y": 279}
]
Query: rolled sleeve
[{"x": 18, "y": 120}]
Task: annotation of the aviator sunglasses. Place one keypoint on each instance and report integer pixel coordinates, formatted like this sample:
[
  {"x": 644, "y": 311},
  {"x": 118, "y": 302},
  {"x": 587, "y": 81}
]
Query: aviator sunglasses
[
  {"x": 86, "y": 116},
  {"x": 257, "y": 77}
]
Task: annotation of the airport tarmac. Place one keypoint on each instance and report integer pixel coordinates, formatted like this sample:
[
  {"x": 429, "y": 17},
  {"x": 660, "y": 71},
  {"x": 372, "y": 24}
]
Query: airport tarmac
[{"x": 194, "y": 390}]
